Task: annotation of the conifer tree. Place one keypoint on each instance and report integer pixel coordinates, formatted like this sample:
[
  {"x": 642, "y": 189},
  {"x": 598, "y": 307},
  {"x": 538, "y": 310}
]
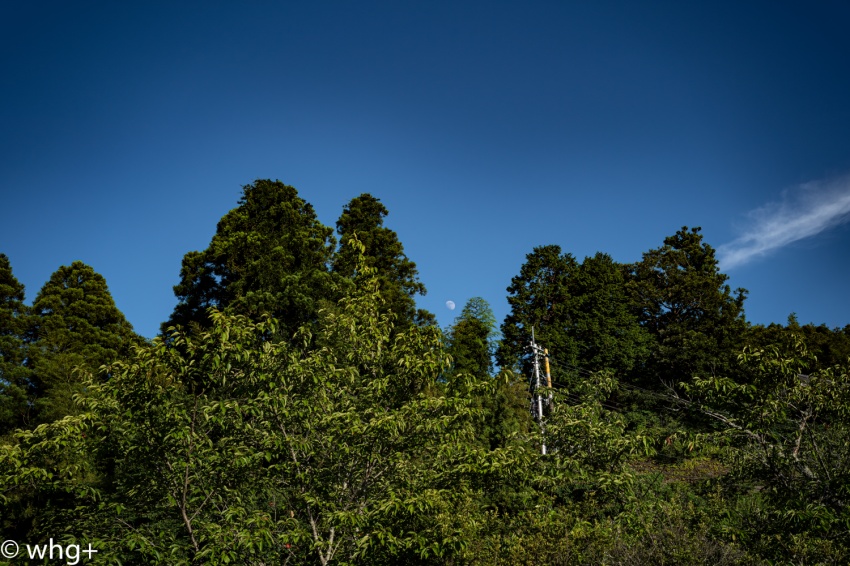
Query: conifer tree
[
  {"x": 363, "y": 218},
  {"x": 540, "y": 298},
  {"x": 683, "y": 300},
  {"x": 580, "y": 313},
  {"x": 269, "y": 255},
  {"x": 14, "y": 377},
  {"x": 603, "y": 323},
  {"x": 75, "y": 326},
  {"x": 471, "y": 342}
]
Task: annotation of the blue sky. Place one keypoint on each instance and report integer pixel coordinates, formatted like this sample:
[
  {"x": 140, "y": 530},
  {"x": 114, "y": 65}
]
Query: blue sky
[{"x": 486, "y": 128}]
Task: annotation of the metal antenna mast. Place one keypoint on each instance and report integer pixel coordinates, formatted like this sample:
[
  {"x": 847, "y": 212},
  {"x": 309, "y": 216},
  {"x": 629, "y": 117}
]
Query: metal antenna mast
[
  {"x": 548, "y": 377},
  {"x": 537, "y": 398}
]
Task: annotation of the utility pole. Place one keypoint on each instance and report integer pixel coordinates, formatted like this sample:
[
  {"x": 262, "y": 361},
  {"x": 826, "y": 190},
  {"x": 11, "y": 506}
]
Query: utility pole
[
  {"x": 536, "y": 397},
  {"x": 548, "y": 377}
]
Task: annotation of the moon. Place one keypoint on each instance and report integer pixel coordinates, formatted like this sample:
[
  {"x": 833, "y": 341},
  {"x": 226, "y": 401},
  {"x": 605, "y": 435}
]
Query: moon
[{"x": 451, "y": 305}]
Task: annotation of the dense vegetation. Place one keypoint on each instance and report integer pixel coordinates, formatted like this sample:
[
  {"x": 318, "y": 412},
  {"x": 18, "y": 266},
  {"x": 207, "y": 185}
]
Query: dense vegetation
[{"x": 298, "y": 409}]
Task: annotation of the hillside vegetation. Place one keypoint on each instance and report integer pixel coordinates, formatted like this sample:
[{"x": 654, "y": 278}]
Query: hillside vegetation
[{"x": 298, "y": 408}]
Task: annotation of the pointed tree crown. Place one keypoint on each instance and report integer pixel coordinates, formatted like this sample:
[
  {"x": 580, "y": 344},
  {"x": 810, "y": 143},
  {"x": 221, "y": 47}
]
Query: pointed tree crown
[
  {"x": 363, "y": 218},
  {"x": 14, "y": 376},
  {"x": 269, "y": 255},
  {"x": 11, "y": 299},
  {"x": 75, "y": 312}
]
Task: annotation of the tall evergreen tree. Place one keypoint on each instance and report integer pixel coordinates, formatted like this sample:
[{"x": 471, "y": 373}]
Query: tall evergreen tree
[
  {"x": 269, "y": 255},
  {"x": 579, "y": 312},
  {"x": 470, "y": 340},
  {"x": 363, "y": 218},
  {"x": 74, "y": 325},
  {"x": 603, "y": 323},
  {"x": 471, "y": 343},
  {"x": 14, "y": 377},
  {"x": 540, "y": 298},
  {"x": 684, "y": 302}
]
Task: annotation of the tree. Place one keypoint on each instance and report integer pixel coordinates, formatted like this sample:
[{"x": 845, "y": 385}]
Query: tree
[
  {"x": 14, "y": 376},
  {"x": 580, "y": 313},
  {"x": 363, "y": 219},
  {"x": 471, "y": 339},
  {"x": 74, "y": 326},
  {"x": 790, "y": 432},
  {"x": 471, "y": 343},
  {"x": 608, "y": 333},
  {"x": 540, "y": 299},
  {"x": 269, "y": 255},
  {"x": 829, "y": 347},
  {"x": 225, "y": 445},
  {"x": 682, "y": 299}
]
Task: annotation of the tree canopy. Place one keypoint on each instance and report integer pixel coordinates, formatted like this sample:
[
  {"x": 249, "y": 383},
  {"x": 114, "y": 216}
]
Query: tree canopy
[
  {"x": 579, "y": 311},
  {"x": 503, "y": 399},
  {"x": 74, "y": 326},
  {"x": 224, "y": 446},
  {"x": 363, "y": 219},
  {"x": 14, "y": 376},
  {"x": 300, "y": 412},
  {"x": 269, "y": 255},
  {"x": 684, "y": 302},
  {"x": 470, "y": 340},
  {"x": 540, "y": 299}
]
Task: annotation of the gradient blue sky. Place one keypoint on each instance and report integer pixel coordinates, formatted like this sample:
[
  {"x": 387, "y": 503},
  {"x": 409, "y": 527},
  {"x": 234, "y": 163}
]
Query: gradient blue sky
[{"x": 486, "y": 128}]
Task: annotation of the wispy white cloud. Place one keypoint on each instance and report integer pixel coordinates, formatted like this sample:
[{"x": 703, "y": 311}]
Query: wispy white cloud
[{"x": 801, "y": 213}]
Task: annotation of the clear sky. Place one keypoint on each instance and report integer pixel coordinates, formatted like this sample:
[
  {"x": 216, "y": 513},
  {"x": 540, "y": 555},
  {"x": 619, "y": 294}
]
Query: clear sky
[{"x": 486, "y": 128}]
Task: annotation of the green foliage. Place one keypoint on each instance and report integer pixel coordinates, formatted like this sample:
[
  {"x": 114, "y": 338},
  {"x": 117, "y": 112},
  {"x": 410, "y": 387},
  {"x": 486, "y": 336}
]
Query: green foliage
[
  {"x": 470, "y": 343},
  {"x": 75, "y": 326},
  {"x": 223, "y": 445},
  {"x": 684, "y": 302},
  {"x": 14, "y": 376},
  {"x": 363, "y": 219},
  {"x": 270, "y": 255},
  {"x": 586, "y": 438},
  {"x": 351, "y": 431},
  {"x": 790, "y": 430},
  {"x": 585, "y": 503},
  {"x": 602, "y": 322},
  {"x": 539, "y": 299},
  {"x": 673, "y": 524},
  {"x": 579, "y": 312},
  {"x": 479, "y": 309},
  {"x": 828, "y": 346}
]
